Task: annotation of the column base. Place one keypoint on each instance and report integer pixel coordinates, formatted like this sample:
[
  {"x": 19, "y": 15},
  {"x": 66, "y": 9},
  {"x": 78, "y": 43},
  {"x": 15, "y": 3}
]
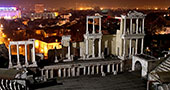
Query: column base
[
  {"x": 10, "y": 65},
  {"x": 33, "y": 65},
  {"x": 67, "y": 60}
]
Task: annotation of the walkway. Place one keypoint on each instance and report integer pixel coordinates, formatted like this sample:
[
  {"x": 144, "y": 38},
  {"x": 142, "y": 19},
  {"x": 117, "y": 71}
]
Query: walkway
[{"x": 124, "y": 81}]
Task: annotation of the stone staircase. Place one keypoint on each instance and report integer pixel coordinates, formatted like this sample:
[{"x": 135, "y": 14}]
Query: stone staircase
[
  {"x": 11, "y": 85},
  {"x": 164, "y": 66}
]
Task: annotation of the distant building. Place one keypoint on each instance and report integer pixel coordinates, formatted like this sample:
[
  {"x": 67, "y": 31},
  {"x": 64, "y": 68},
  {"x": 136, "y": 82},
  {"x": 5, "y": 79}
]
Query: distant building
[
  {"x": 44, "y": 15},
  {"x": 39, "y": 8},
  {"x": 9, "y": 13}
]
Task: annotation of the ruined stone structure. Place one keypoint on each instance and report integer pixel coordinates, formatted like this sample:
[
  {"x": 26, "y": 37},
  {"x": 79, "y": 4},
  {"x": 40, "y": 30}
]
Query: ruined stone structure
[
  {"x": 26, "y": 43},
  {"x": 82, "y": 68},
  {"x": 159, "y": 77},
  {"x": 129, "y": 37},
  {"x": 66, "y": 42},
  {"x": 124, "y": 44},
  {"x": 93, "y": 36},
  {"x": 145, "y": 63}
]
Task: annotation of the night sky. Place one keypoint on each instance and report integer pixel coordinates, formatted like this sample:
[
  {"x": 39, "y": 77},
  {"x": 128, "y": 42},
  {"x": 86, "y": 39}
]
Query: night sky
[{"x": 90, "y": 3}]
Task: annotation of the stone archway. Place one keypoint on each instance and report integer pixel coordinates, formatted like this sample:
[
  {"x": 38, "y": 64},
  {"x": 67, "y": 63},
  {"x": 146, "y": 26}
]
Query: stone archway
[
  {"x": 138, "y": 68},
  {"x": 140, "y": 64}
]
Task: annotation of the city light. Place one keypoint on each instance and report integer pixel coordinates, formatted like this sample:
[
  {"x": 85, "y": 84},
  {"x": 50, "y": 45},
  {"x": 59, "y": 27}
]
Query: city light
[
  {"x": 9, "y": 13},
  {"x": 156, "y": 8}
]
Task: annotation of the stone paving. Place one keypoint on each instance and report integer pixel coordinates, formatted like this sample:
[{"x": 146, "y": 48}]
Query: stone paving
[{"x": 122, "y": 81}]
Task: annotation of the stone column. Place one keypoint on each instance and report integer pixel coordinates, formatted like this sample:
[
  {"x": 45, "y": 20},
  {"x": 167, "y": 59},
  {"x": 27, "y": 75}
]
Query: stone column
[
  {"x": 137, "y": 26},
  {"x": 88, "y": 73},
  {"x": 33, "y": 54},
  {"x": 131, "y": 26},
  {"x": 142, "y": 46},
  {"x": 46, "y": 74},
  {"x": 143, "y": 24},
  {"x": 113, "y": 68},
  {"x": 42, "y": 72},
  {"x": 108, "y": 68},
  {"x": 84, "y": 70},
  {"x": 73, "y": 71},
  {"x": 93, "y": 48},
  {"x": 78, "y": 71},
  {"x": 64, "y": 72},
  {"x": 100, "y": 26},
  {"x": 121, "y": 66},
  {"x": 124, "y": 29},
  {"x": 59, "y": 72},
  {"x": 51, "y": 73},
  {"x": 69, "y": 51},
  {"x": 93, "y": 26},
  {"x": 100, "y": 47},
  {"x": 87, "y": 24},
  {"x": 87, "y": 47},
  {"x": 130, "y": 46},
  {"x": 69, "y": 73},
  {"x": 136, "y": 47},
  {"x": 117, "y": 67},
  {"x": 18, "y": 61},
  {"x": 26, "y": 58},
  {"x": 101, "y": 69},
  {"x": 92, "y": 71},
  {"x": 97, "y": 69},
  {"x": 124, "y": 47},
  {"x": 10, "y": 60}
]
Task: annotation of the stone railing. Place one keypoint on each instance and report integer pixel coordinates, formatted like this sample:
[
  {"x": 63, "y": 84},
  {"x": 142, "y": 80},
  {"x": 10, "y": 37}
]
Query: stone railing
[{"x": 82, "y": 68}]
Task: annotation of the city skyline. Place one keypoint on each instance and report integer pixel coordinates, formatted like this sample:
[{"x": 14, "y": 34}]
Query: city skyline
[{"x": 90, "y": 3}]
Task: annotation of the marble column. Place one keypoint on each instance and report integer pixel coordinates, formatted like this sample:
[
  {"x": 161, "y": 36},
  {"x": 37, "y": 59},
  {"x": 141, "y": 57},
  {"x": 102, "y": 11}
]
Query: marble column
[
  {"x": 124, "y": 47},
  {"x": 69, "y": 73},
  {"x": 101, "y": 69},
  {"x": 42, "y": 72},
  {"x": 93, "y": 48},
  {"x": 117, "y": 67},
  {"x": 137, "y": 26},
  {"x": 18, "y": 60},
  {"x": 59, "y": 72},
  {"x": 84, "y": 70},
  {"x": 26, "y": 58},
  {"x": 87, "y": 24},
  {"x": 100, "y": 26},
  {"x": 88, "y": 73},
  {"x": 87, "y": 47},
  {"x": 73, "y": 71},
  {"x": 143, "y": 24},
  {"x": 124, "y": 30},
  {"x": 108, "y": 68},
  {"x": 10, "y": 60},
  {"x": 51, "y": 73},
  {"x": 78, "y": 71},
  {"x": 130, "y": 47},
  {"x": 97, "y": 69},
  {"x": 92, "y": 71},
  {"x": 121, "y": 66},
  {"x": 113, "y": 68},
  {"x": 100, "y": 47},
  {"x": 64, "y": 72},
  {"x": 136, "y": 47},
  {"x": 33, "y": 54},
  {"x": 93, "y": 26},
  {"x": 142, "y": 41},
  {"x": 131, "y": 26},
  {"x": 46, "y": 74},
  {"x": 69, "y": 51}
]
